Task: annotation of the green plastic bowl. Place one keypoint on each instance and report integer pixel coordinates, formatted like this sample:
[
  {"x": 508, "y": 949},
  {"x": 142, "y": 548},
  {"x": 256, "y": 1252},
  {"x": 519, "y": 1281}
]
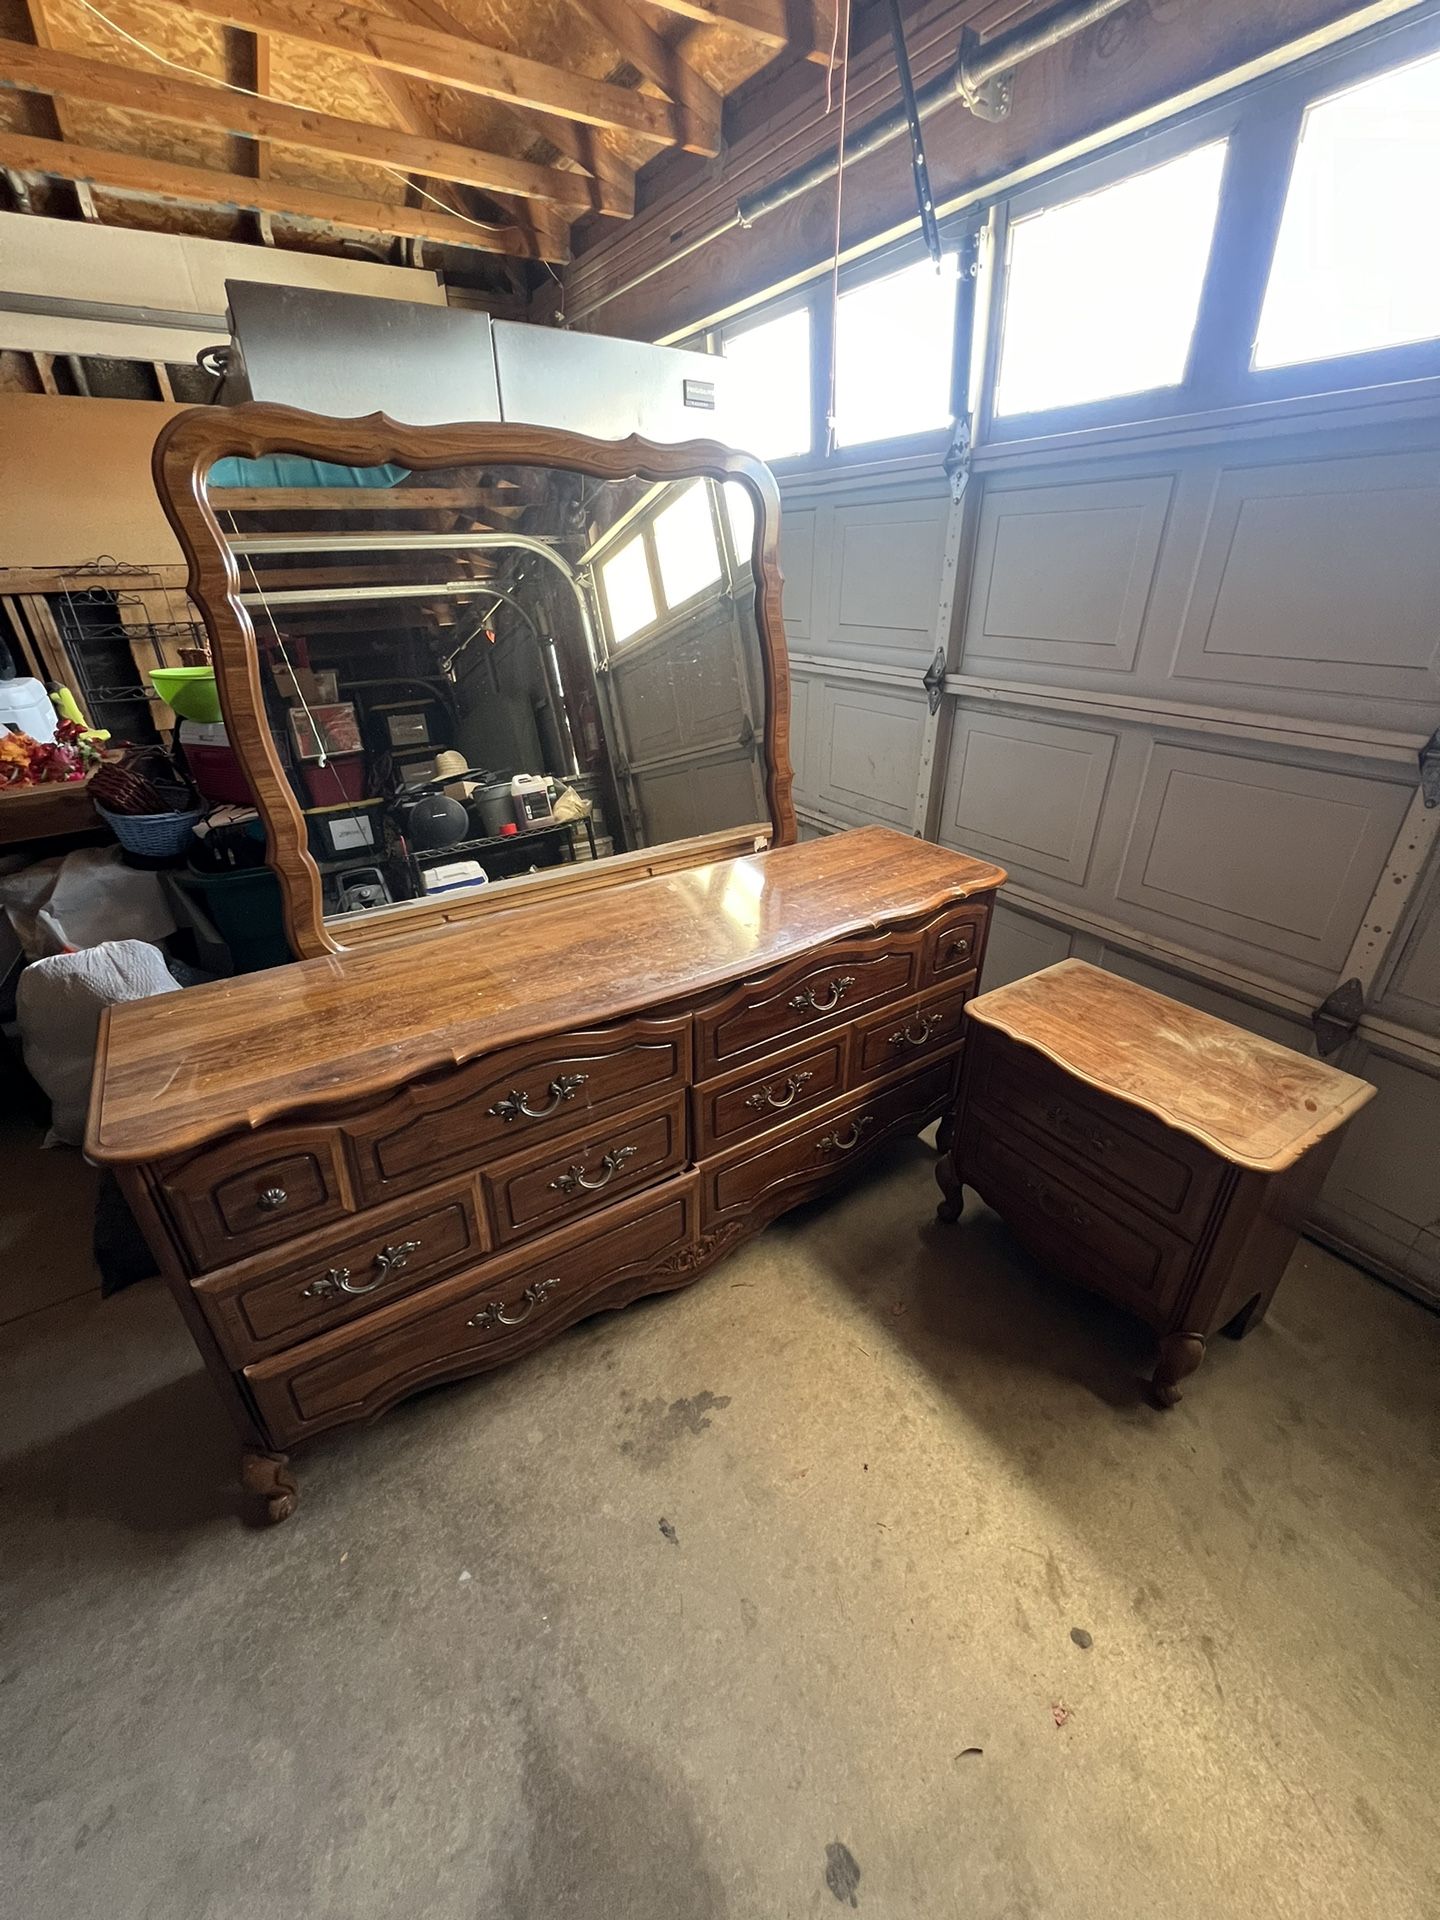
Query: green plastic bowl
[{"x": 191, "y": 691}]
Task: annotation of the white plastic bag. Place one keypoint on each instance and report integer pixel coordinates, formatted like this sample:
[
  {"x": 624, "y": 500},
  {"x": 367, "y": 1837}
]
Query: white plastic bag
[{"x": 58, "y": 1003}]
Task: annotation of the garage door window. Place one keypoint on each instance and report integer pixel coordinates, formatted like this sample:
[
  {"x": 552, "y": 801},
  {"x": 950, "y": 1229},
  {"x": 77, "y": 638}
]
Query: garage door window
[
  {"x": 1354, "y": 270},
  {"x": 894, "y": 354},
  {"x": 1102, "y": 292}
]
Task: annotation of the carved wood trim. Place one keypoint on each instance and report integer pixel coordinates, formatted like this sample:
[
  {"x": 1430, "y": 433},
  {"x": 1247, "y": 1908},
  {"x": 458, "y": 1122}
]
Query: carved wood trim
[{"x": 193, "y": 441}]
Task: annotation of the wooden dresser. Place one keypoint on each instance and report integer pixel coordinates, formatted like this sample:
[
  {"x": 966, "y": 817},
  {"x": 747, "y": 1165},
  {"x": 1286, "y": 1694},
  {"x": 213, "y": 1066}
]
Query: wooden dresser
[
  {"x": 1145, "y": 1150},
  {"x": 365, "y": 1173}
]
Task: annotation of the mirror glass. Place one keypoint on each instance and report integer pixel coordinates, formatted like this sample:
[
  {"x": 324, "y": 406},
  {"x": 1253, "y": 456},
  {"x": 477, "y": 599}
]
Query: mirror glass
[{"x": 473, "y": 674}]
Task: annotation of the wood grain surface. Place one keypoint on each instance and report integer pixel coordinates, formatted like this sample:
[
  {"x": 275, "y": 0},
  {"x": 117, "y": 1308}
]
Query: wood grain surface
[
  {"x": 1254, "y": 1102},
  {"x": 176, "y": 1072}
]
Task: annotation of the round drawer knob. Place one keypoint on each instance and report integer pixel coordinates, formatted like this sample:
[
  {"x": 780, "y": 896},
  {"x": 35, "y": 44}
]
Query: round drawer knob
[{"x": 273, "y": 1197}]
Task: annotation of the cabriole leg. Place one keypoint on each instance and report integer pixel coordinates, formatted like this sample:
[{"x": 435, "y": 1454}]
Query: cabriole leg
[
  {"x": 1180, "y": 1354},
  {"x": 269, "y": 1488}
]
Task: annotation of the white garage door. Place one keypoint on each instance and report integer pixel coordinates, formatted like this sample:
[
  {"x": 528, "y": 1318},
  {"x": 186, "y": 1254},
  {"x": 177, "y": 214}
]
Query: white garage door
[{"x": 1190, "y": 638}]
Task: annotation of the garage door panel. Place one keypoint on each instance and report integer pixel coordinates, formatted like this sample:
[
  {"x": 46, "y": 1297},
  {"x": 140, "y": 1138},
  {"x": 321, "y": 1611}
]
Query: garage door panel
[
  {"x": 1413, "y": 994},
  {"x": 1382, "y": 1193},
  {"x": 1019, "y": 944},
  {"x": 1280, "y": 856},
  {"x": 1322, "y": 575},
  {"x": 869, "y": 742},
  {"x": 885, "y": 581},
  {"x": 1029, "y": 793},
  {"x": 801, "y": 757},
  {"x": 798, "y": 530},
  {"x": 1063, "y": 574}
]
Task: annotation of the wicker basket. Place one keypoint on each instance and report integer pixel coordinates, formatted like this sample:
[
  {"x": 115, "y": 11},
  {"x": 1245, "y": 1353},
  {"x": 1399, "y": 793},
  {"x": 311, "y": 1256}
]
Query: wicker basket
[{"x": 156, "y": 836}]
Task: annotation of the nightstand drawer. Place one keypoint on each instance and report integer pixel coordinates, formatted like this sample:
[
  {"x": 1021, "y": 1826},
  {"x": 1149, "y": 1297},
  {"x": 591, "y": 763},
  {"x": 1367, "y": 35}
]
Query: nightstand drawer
[
  {"x": 533, "y": 1192},
  {"x": 1141, "y": 1162},
  {"x": 1079, "y": 1229}
]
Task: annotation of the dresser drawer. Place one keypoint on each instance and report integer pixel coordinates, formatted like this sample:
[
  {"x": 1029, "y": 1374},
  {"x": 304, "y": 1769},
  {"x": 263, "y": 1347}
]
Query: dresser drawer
[
  {"x": 816, "y": 991},
  {"x": 768, "y": 1093},
  {"x": 1141, "y": 1162},
  {"x": 896, "y": 1036},
  {"x": 953, "y": 945},
  {"x": 550, "y": 1185},
  {"x": 816, "y": 1153},
  {"x": 540, "y": 1091},
  {"x": 327, "y": 1278},
  {"x": 1083, "y": 1232},
  {"x": 254, "y": 1193},
  {"x": 477, "y": 1319}
]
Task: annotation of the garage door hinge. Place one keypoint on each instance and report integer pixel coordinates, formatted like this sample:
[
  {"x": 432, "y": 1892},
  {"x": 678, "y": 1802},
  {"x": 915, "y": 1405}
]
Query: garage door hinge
[
  {"x": 1337, "y": 1016},
  {"x": 1430, "y": 770},
  {"x": 933, "y": 679}
]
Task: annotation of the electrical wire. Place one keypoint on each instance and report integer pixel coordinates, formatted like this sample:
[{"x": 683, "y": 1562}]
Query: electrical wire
[
  {"x": 232, "y": 86},
  {"x": 284, "y": 654}
]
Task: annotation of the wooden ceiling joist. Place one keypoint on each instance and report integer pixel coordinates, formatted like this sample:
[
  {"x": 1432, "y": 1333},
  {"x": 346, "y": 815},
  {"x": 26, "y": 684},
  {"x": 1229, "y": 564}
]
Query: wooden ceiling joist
[
  {"x": 192, "y": 103},
  {"x": 447, "y": 60},
  {"x": 772, "y": 24},
  {"x": 653, "y": 58},
  {"x": 200, "y": 186}
]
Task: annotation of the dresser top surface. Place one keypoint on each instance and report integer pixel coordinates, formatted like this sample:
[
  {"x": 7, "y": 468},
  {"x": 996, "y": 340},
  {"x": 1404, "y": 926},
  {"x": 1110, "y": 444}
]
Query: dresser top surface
[
  {"x": 1253, "y": 1102},
  {"x": 177, "y": 1071}
]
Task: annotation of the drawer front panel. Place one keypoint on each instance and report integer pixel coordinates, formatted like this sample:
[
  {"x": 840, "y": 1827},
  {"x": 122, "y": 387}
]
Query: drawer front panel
[
  {"x": 335, "y": 1276},
  {"x": 768, "y": 1093},
  {"x": 953, "y": 945},
  {"x": 476, "y": 1320},
  {"x": 1080, "y": 1231},
  {"x": 816, "y": 1154},
  {"x": 1150, "y": 1166},
  {"x": 550, "y": 1187},
  {"x": 542, "y": 1091},
  {"x": 254, "y": 1193},
  {"x": 899, "y": 1035},
  {"x": 820, "y": 990}
]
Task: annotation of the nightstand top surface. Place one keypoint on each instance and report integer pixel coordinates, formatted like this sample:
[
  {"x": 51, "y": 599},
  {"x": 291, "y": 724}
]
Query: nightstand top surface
[{"x": 1253, "y": 1102}]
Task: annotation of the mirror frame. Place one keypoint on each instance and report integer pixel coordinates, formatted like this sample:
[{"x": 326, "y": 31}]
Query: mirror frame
[{"x": 188, "y": 448}]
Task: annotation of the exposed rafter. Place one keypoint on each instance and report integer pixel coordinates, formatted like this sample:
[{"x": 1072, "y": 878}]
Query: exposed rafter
[
  {"x": 199, "y": 186},
  {"x": 192, "y": 103},
  {"x": 444, "y": 59},
  {"x": 632, "y": 36}
]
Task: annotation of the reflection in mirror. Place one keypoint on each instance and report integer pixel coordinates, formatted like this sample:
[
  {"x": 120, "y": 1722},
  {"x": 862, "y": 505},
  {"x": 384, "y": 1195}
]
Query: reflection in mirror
[{"x": 473, "y": 674}]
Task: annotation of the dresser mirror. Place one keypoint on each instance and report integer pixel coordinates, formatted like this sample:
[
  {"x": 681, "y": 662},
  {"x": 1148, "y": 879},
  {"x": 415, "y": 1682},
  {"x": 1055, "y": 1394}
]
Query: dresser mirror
[{"x": 463, "y": 666}]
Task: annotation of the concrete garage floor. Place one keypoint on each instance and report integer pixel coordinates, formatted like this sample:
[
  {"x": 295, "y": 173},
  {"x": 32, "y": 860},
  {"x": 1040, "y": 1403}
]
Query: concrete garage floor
[{"x": 755, "y": 1601}]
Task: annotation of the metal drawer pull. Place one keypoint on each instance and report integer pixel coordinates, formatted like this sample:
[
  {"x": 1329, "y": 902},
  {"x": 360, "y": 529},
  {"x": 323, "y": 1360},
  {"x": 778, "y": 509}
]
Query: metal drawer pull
[
  {"x": 905, "y": 1038},
  {"x": 1051, "y": 1203},
  {"x": 833, "y": 1143},
  {"x": 959, "y": 949},
  {"x": 767, "y": 1096},
  {"x": 810, "y": 1002},
  {"x": 273, "y": 1197},
  {"x": 516, "y": 1104},
  {"x": 388, "y": 1262},
  {"x": 1067, "y": 1123},
  {"x": 493, "y": 1313},
  {"x": 575, "y": 1177}
]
